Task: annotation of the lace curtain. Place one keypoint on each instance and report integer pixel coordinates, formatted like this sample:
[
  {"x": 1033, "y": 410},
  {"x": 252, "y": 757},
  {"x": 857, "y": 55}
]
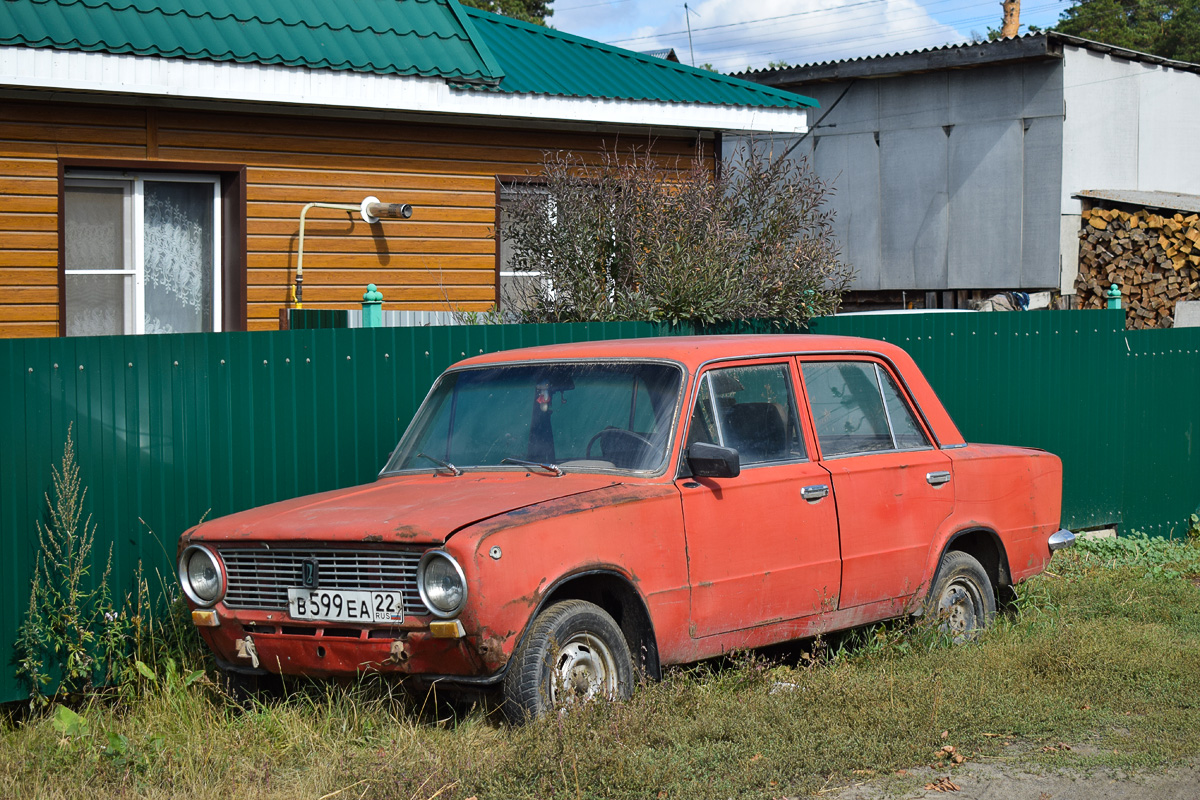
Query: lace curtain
[{"x": 178, "y": 256}]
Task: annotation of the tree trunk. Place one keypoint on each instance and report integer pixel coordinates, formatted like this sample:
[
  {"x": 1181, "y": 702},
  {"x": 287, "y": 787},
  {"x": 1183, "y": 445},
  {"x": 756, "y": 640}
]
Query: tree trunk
[{"x": 1012, "y": 18}]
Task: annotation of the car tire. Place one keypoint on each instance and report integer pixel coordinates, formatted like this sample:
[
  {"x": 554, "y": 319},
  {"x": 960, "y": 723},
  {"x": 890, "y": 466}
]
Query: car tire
[
  {"x": 962, "y": 601},
  {"x": 573, "y": 653}
]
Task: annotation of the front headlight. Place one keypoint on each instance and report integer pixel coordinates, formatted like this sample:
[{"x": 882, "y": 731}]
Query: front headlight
[
  {"x": 201, "y": 575},
  {"x": 442, "y": 584}
]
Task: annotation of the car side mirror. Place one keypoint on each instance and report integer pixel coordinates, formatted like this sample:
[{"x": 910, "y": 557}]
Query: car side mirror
[{"x": 713, "y": 461}]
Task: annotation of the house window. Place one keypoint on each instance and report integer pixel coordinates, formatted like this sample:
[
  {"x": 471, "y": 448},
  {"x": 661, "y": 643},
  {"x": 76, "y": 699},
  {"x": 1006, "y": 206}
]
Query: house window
[
  {"x": 518, "y": 289},
  {"x": 142, "y": 253}
]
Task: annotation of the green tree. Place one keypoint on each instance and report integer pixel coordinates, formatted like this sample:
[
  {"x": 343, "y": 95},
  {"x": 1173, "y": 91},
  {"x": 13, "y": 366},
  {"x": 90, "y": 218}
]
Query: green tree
[
  {"x": 632, "y": 236},
  {"x": 1167, "y": 28},
  {"x": 535, "y": 11}
]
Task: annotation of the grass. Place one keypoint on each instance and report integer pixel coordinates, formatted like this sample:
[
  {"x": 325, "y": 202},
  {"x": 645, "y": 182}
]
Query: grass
[{"x": 1103, "y": 654}]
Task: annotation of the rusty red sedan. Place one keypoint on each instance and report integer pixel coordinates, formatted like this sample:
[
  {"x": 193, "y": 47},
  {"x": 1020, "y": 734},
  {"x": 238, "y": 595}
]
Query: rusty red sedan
[{"x": 558, "y": 521}]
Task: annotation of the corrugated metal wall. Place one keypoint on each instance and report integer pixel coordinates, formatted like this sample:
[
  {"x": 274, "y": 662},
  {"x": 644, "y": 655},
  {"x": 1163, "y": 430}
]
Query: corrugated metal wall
[
  {"x": 947, "y": 179},
  {"x": 169, "y": 428}
]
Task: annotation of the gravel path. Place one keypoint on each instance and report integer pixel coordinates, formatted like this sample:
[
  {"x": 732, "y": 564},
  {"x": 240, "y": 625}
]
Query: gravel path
[{"x": 998, "y": 781}]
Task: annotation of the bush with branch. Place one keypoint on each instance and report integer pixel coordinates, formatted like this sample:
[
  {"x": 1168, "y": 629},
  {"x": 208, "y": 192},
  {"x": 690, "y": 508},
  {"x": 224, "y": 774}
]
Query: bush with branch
[
  {"x": 631, "y": 238},
  {"x": 77, "y": 637}
]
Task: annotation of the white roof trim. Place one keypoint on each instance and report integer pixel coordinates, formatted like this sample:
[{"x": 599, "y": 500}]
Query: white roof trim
[{"x": 149, "y": 76}]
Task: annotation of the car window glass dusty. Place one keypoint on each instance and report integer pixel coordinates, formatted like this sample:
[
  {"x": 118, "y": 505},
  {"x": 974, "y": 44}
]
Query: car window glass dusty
[
  {"x": 755, "y": 413},
  {"x": 847, "y": 407},
  {"x": 589, "y": 416},
  {"x": 907, "y": 432}
]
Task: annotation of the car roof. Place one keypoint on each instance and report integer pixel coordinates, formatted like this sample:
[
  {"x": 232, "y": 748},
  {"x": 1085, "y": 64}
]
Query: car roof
[{"x": 692, "y": 350}]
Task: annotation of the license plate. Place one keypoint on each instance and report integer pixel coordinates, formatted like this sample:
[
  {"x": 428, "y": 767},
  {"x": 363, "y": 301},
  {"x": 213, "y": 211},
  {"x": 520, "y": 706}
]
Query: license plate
[{"x": 345, "y": 606}]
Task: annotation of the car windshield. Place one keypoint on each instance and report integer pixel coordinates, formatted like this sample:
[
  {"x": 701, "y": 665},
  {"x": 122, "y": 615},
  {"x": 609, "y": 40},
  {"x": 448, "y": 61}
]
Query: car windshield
[{"x": 576, "y": 416}]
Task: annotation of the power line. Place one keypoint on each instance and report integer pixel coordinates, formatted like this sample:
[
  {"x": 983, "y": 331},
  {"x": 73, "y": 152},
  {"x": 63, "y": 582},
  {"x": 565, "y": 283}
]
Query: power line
[
  {"x": 749, "y": 22},
  {"x": 843, "y": 24},
  {"x": 811, "y": 53}
]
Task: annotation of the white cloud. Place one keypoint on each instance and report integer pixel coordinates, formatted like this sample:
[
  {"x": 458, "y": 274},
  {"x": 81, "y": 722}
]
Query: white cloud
[{"x": 734, "y": 34}]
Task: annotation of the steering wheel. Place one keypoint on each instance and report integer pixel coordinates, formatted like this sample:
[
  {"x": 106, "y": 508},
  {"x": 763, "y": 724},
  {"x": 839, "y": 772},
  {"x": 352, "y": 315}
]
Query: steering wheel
[{"x": 611, "y": 431}]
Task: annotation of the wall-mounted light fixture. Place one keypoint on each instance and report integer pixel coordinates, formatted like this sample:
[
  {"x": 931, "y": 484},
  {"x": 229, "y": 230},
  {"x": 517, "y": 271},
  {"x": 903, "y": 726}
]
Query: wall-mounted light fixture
[{"x": 370, "y": 209}]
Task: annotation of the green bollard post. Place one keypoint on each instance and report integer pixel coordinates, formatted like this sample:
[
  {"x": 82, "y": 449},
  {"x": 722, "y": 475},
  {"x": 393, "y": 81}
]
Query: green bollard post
[
  {"x": 1114, "y": 296},
  {"x": 372, "y": 307}
]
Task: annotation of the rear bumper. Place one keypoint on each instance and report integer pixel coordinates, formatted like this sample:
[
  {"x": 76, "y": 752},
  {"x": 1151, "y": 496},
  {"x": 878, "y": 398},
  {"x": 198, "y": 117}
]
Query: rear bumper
[{"x": 1061, "y": 539}]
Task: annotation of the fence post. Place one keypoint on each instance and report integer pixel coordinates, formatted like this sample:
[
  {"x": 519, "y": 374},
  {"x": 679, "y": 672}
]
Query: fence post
[
  {"x": 372, "y": 307},
  {"x": 1114, "y": 296}
]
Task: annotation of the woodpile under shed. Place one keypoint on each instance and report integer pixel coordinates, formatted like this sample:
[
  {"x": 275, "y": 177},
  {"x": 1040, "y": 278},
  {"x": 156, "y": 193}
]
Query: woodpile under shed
[{"x": 1154, "y": 259}]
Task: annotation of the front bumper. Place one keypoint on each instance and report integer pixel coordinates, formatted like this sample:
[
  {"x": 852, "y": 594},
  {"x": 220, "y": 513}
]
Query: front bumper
[{"x": 289, "y": 647}]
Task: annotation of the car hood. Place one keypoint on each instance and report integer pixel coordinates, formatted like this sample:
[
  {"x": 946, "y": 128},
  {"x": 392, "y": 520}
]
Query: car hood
[{"x": 408, "y": 509}]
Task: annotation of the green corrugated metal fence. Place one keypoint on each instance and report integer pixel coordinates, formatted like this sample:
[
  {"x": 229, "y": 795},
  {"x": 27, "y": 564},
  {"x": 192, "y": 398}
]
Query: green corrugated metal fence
[
  {"x": 168, "y": 428},
  {"x": 1041, "y": 379}
]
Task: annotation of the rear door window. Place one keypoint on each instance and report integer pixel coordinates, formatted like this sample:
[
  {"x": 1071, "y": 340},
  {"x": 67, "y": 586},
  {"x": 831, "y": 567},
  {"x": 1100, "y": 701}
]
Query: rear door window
[{"x": 858, "y": 408}]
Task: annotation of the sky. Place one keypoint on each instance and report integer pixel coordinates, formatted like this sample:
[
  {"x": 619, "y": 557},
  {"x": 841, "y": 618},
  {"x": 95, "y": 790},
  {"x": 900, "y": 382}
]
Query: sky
[{"x": 732, "y": 35}]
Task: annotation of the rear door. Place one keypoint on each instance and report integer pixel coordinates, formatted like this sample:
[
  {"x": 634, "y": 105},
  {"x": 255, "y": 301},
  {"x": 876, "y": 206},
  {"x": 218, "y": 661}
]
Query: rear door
[
  {"x": 893, "y": 488},
  {"x": 758, "y": 551}
]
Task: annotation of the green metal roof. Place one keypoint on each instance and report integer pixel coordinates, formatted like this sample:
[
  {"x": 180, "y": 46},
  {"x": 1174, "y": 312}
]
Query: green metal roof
[
  {"x": 540, "y": 60},
  {"x": 401, "y": 37},
  {"x": 436, "y": 38}
]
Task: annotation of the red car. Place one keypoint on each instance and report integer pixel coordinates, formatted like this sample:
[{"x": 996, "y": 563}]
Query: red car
[{"x": 558, "y": 520}]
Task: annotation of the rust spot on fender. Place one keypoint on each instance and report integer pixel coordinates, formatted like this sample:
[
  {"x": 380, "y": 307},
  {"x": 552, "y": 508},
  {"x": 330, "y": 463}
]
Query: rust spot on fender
[
  {"x": 491, "y": 652},
  {"x": 374, "y": 537}
]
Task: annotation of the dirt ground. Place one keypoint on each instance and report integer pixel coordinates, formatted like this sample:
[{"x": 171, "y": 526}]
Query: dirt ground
[{"x": 1004, "y": 781}]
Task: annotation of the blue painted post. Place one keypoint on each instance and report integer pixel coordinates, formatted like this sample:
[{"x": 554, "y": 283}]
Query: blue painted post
[
  {"x": 372, "y": 307},
  {"x": 1114, "y": 296}
]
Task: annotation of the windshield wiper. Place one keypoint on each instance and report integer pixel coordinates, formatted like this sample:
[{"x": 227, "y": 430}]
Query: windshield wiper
[
  {"x": 555, "y": 468},
  {"x": 442, "y": 464}
]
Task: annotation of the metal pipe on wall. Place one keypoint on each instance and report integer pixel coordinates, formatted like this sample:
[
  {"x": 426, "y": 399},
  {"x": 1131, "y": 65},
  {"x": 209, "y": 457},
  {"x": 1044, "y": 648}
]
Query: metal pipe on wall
[{"x": 370, "y": 209}]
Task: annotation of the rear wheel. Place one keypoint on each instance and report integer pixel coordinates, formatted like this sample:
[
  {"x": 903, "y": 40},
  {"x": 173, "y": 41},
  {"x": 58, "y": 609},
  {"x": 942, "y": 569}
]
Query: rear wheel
[
  {"x": 574, "y": 653},
  {"x": 962, "y": 600}
]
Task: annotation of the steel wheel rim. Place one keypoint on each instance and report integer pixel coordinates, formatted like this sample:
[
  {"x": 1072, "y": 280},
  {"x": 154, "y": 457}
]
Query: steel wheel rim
[
  {"x": 584, "y": 668},
  {"x": 960, "y": 609}
]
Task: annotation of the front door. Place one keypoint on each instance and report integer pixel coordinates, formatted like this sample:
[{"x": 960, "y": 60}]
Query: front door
[{"x": 758, "y": 550}]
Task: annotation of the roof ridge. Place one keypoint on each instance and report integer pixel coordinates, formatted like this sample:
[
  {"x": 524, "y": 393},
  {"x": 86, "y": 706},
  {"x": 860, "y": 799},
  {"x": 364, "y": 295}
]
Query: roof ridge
[
  {"x": 155, "y": 7},
  {"x": 592, "y": 44}
]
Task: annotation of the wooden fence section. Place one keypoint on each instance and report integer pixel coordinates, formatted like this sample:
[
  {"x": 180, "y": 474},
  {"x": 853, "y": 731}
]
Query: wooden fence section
[{"x": 170, "y": 428}]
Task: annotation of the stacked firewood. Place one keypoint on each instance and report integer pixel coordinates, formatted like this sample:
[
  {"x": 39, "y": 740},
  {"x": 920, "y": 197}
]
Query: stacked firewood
[{"x": 1153, "y": 258}]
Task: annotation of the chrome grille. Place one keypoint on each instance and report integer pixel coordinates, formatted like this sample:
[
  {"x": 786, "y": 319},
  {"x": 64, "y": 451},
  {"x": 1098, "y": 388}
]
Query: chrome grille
[{"x": 260, "y": 578}]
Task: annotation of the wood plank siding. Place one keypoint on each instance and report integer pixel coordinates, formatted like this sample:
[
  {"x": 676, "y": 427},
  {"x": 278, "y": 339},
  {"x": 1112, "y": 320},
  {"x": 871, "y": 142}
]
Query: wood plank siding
[{"x": 444, "y": 256}]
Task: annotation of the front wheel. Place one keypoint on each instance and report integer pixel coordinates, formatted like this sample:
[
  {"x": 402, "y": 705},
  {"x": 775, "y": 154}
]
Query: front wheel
[
  {"x": 574, "y": 653},
  {"x": 962, "y": 600}
]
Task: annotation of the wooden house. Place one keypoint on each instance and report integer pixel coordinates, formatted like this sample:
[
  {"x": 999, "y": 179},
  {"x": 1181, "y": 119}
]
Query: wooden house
[{"x": 155, "y": 158}]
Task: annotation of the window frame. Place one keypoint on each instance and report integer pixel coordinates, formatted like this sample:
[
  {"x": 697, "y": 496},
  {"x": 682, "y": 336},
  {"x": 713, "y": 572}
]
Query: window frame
[
  {"x": 880, "y": 366},
  {"x": 805, "y": 431},
  {"x": 672, "y": 434},
  {"x": 229, "y": 223},
  {"x": 504, "y": 185}
]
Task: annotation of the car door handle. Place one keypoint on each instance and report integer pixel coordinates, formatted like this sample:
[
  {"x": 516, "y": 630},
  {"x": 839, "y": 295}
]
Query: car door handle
[
  {"x": 814, "y": 493},
  {"x": 937, "y": 478}
]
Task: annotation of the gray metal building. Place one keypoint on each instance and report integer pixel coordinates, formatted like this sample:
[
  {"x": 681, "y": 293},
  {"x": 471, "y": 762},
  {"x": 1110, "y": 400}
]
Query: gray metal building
[{"x": 957, "y": 168}]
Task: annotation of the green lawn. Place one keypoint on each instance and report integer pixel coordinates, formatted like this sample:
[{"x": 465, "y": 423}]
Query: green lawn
[{"x": 1103, "y": 654}]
